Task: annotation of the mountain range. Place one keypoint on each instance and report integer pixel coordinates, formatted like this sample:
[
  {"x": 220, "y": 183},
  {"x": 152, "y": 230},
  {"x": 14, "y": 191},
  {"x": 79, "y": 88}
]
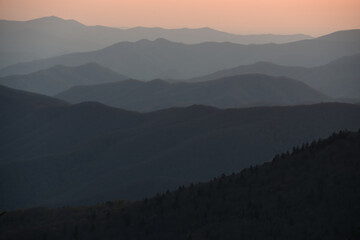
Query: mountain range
[
  {"x": 60, "y": 78},
  {"x": 339, "y": 78},
  {"x": 88, "y": 152},
  {"x": 147, "y": 60},
  {"x": 144, "y": 118},
  {"x": 230, "y": 92},
  {"x": 51, "y": 36},
  {"x": 311, "y": 193}
]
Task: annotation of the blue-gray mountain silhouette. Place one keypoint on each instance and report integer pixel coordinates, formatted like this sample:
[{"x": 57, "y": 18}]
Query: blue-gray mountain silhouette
[
  {"x": 235, "y": 91},
  {"x": 147, "y": 60},
  {"x": 51, "y": 36},
  {"x": 59, "y": 78},
  {"x": 339, "y": 78}
]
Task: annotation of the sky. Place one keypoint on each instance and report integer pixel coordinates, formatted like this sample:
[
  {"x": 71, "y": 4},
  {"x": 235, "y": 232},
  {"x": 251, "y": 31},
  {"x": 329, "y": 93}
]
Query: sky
[{"x": 313, "y": 17}]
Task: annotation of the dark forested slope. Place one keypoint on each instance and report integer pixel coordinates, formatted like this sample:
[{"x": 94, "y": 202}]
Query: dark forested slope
[{"x": 311, "y": 193}]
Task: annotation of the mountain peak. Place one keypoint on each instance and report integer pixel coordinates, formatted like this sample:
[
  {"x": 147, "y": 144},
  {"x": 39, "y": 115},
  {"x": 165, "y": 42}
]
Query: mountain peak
[
  {"x": 47, "y": 18},
  {"x": 54, "y": 20}
]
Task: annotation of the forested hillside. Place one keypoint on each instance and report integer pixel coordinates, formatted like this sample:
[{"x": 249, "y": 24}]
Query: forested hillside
[{"x": 310, "y": 193}]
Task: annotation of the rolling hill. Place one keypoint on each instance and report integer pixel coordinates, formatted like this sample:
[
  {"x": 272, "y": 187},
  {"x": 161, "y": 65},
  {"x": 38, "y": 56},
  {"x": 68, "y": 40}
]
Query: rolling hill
[
  {"x": 52, "y": 36},
  {"x": 236, "y": 91},
  {"x": 86, "y": 153},
  {"x": 147, "y": 60},
  {"x": 59, "y": 78},
  {"x": 339, "y": 78},
  {"x": 311, "y": 193}
]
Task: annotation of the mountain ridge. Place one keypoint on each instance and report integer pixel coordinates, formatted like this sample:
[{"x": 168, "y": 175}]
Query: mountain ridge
[
  {"x": 177, "y": 60},
  {"x": 236, "y": 91},
  {"x": 90, "y": 146},
  {"x": 338, "y": 78},
  {"x": 61, "y": 77},
  {"x": 52, "y": 36}
]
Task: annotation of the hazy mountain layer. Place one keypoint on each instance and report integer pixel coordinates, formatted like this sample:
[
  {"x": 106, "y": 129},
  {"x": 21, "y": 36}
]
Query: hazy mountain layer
[
  {"x": 236, "y": 91},
  {"x": 51, "y": 36},
  {"x": 339, "y": 78},
  {"x": 60, "y": 78},
  {"x": 147, "y": 60},
  {"x": 80, "y": 154},
  {"x": 311, "y": 193}
]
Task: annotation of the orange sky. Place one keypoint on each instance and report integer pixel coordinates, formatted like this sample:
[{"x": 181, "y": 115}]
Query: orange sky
[{"x": 313, "y": 17}]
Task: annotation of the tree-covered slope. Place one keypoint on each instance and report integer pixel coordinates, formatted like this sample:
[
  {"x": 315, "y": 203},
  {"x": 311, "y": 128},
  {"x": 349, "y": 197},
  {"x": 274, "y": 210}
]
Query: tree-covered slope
[{"x": 311, "y": 193}]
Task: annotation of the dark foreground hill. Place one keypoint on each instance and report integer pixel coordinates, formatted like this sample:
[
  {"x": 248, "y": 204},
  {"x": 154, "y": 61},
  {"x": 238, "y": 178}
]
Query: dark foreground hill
[
  {"x": 59, "y": 78},
  {"x": 338, "y": 79},
  {"x": 235, "y": 91},
  {"x": 312, "y": 193},
  {"x": 85, "y": 153}
]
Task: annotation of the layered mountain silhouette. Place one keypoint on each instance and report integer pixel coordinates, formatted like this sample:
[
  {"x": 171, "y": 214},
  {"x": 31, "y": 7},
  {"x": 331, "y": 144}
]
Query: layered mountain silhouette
[
  {"x": 147, "y": 60},
  {"x": 311, "y": 193},
  {"x": 149, "y": 116},
  {"x": 59, "y": 78},
  {"x": 339, "y": 78},
  {"x": 50, "y": 36},
  {"x": 236, "y": 91},
  {"x": 15, "y": 104},
  {"x": 89, "y": 152}
]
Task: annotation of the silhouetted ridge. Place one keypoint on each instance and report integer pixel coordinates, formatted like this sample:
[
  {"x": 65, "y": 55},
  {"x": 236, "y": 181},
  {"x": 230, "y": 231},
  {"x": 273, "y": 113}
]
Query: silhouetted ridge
[
  {"x": 61, "y": 77},
  {"x": 338, "y": 79},
  {"x": 16, "y": 105},
  {"x": 229, "y": 92},
  {"x": 351, "y": 35},
  {"x": 347, "y": 60},
  {"x": 96, "y": 106},
  {"x": 169, "y": 59},
  {"x": 52, "y": 36},
  {"x": 53, "y": 20},
  {"x": 11, "y": 96}
]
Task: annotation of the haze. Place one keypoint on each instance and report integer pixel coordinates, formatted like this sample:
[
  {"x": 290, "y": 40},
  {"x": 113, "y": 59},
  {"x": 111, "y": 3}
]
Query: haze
[{"x": 244, "y": 17}]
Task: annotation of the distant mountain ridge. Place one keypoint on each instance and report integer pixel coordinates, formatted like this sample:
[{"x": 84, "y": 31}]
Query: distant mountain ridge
[
  {"x": 146, "y": 60},
  {"x": 51, "y": 36},
  {"x": 343, "y": 36},
  {"x": 60, "y": 77},
  {"x": 90, "y": 146},
  {"x": 339, "y": 78},
  {"x": 232, "y": 92}
]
